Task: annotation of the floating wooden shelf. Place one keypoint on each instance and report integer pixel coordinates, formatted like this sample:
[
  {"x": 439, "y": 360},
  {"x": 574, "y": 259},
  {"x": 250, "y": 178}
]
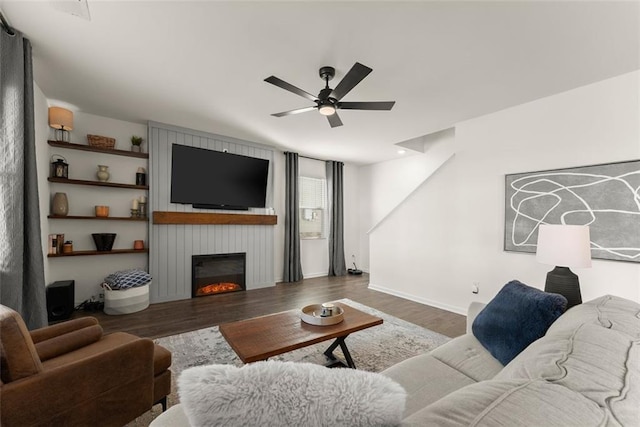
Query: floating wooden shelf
[
  {"x": 200, "y": 218},
  {"x": 107, "y": 218},
  {"x": 98, "y": 183},
  {"x": 111, "y": 252},
  {"x": 82, "y": 147}
]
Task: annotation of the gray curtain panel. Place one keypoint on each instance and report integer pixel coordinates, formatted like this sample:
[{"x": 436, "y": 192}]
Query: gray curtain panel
[
  {"x": 337, "y": 265},
  {"x": 22, "y": 284},
  {"x": 292, "y": 263}
]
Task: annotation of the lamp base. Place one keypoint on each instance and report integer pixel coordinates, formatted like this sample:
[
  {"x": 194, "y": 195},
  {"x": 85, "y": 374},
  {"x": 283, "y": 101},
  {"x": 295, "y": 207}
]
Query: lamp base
[
  {"x": 563, "y": 281},
  {"x": 62, "y": 135}
]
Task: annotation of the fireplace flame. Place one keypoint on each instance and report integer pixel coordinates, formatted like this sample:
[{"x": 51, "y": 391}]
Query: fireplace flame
[{"x": 217, "y": 288}]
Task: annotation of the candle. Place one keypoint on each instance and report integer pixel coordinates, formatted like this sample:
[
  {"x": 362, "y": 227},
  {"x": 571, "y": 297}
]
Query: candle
[
  {"x": 134, "y": 204},
  {"x": 143, "y": 199}
]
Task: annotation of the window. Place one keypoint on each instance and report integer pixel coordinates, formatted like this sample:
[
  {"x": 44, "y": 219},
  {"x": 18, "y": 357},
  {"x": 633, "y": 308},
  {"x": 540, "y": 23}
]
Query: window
[{"x": 313, "y": 205}]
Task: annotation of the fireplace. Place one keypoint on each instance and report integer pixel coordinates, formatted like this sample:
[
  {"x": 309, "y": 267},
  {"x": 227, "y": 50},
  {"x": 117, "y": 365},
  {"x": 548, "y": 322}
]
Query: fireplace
[{"x": 217, "y": 273}]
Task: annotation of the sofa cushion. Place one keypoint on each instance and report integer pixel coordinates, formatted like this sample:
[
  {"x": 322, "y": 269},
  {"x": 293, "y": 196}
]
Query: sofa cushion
[
  {"x": 515, "y": 317},
  {"x": 425, "y": 379},
  {"x": 468, "y": 356},
  {"x": 510, "y": 403},
  {"x": 286, "y": 393},
  {"x": 172, "y": 417}
]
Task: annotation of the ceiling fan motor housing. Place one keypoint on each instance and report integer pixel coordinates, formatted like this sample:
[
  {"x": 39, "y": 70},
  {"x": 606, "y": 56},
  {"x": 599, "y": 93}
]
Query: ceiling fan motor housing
[
  {"x": 324, "y": 95},
  {"x": 327, "y": 73}
]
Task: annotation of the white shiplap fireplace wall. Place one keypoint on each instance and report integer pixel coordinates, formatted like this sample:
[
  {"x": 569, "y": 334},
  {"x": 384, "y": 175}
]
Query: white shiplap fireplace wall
[{"x": 171, "y": 246}]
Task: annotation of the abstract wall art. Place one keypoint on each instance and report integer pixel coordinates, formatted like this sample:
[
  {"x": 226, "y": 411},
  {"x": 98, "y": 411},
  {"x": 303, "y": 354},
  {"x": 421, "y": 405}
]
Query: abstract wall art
[{"x": 606, "y": 197}]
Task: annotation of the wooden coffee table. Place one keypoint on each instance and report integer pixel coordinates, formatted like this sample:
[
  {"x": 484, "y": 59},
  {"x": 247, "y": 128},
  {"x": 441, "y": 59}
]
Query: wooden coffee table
[{"x": 263, "y": 337}]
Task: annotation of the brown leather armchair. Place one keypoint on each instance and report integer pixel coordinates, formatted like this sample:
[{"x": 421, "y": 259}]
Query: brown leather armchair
[{"x": 70, "y": 374}]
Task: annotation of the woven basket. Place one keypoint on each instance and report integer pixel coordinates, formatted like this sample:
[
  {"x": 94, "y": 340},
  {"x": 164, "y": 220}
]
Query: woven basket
[{"x": 101, "y": 141}]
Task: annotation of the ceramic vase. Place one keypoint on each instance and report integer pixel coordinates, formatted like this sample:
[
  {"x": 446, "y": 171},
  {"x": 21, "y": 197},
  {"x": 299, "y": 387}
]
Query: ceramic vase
[
  {"x": 103, "y": 173},
  {"x": 60, "y": 204},
  {"x": 136, "y": 148}
]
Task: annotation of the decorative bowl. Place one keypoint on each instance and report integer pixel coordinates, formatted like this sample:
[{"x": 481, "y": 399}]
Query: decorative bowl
[
  {"x": 311, "y": 315},
  {"x": 104, "y": 241}
]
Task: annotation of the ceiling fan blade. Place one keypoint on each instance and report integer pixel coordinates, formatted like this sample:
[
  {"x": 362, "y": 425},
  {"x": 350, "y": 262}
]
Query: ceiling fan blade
[
  {"x": 291, "y": 88},
  {"x": 296, "y": 111},
  {"x": 350, "y": 80},
  {"x": 386, "y": 105},
  {"x": 334, "y": 120}
]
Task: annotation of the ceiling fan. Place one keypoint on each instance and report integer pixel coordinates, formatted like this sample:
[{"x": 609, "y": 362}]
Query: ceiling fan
[{"x": 328, "y": 100}]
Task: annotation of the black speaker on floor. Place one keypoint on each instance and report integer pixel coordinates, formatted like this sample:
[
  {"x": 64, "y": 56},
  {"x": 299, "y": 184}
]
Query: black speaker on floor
[{"x": 60, "y": 297}]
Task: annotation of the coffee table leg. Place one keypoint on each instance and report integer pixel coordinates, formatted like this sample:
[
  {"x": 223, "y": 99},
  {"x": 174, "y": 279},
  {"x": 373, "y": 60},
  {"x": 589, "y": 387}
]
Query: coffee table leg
[{"x": 343, "y": 346}]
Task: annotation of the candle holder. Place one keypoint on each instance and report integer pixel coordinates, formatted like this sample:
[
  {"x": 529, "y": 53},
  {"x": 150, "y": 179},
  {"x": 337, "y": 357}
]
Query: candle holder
[
  {"x": 135, "y": 213},
  {"x": 142, "y": 209}
]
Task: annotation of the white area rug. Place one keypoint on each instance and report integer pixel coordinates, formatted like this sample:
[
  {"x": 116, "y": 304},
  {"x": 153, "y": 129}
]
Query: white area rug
[{"x": 373, "y": 349}]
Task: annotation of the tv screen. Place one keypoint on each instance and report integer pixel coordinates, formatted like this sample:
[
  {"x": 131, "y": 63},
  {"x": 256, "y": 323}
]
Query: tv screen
[{"x": 216, "y": 180}]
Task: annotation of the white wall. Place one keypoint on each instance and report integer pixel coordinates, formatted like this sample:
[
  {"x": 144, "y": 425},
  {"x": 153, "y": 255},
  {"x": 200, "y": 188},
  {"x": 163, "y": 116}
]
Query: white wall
[{"x": 449, "y": 233}]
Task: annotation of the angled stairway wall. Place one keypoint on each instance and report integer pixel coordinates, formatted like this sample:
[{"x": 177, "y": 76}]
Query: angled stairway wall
[{"x": 385, "y": 186}]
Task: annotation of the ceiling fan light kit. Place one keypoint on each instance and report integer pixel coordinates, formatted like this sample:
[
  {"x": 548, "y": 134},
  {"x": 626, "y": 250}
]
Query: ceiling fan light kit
[
  {"x": 326, "y": 109},
  {"x": 328, "y": 100}
]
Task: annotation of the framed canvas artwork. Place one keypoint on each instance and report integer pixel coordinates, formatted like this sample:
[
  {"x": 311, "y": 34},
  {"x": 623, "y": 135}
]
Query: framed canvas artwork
[{"x": 605, "y": 197}]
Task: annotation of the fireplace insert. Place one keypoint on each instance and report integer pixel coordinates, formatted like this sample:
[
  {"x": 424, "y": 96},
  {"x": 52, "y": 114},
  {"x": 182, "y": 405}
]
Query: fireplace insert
[{"x": 217, "y": 273}]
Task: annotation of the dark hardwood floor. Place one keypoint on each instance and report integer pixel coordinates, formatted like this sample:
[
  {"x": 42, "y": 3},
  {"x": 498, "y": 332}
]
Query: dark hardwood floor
[{"x": 187, "y": 315}]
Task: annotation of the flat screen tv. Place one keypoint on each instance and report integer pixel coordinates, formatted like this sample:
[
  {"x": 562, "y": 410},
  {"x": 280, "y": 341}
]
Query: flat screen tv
[{"x": 211, "y": 179}]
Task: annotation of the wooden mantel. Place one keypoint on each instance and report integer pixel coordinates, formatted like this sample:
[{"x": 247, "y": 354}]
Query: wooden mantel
[{"x": 200, "y": 218}]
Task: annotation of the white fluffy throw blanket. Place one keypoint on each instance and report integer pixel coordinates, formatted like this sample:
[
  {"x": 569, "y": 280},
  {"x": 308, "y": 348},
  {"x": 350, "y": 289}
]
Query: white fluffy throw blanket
[{"x": 288, "y": 394}]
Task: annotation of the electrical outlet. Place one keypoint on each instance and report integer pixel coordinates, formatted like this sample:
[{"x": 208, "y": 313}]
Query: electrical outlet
[{"x": 475, "y": 288}]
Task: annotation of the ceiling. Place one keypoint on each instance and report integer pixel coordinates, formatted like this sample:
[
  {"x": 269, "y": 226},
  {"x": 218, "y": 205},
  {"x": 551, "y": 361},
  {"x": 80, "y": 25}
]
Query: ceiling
[{"x": 202, "y": 64}]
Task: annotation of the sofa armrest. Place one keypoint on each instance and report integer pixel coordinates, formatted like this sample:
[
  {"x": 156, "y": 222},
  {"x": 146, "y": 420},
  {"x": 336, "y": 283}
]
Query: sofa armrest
[
  {"x": 114, "y": 385},
  {"x": 474, "y": 308},
  {"x": 48, "y": 332}
]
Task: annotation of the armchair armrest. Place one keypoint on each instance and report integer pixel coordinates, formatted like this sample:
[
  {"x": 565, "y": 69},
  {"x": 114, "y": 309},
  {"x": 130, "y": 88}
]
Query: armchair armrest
[
  {"x": 48, "y": 332},
  {"x": 474, "y": 308},
  {"x": 66, "y": 343},
  {"x": 111, "y": 387}
]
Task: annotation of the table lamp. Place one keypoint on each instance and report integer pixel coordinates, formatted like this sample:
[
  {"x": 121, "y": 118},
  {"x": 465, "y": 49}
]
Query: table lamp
[
  {"x": 61, "y": 120},
  {"x": 564, "y": 246}
]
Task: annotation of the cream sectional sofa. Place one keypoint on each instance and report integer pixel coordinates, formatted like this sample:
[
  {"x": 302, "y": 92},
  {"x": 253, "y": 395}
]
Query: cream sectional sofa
[{"x": 584, "y": 372}]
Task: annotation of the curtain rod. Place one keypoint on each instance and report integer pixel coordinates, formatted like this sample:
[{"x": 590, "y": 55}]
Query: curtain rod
[
  {"x": 306, "y": 157},
  {"x": 311, "y": 158},
  {"x": 5, "y": 24}
]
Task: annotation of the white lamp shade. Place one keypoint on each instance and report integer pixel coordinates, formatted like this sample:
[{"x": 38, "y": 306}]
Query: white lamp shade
[
  {"x": 60, "y": 118},
  {"x": 564, "y": 245}
]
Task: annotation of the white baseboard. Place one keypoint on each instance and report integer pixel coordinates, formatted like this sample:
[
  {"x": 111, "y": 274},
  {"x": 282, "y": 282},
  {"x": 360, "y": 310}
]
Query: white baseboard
[
  {"x": 453, "y": 309},
  {"x": 314, "y": 275}
]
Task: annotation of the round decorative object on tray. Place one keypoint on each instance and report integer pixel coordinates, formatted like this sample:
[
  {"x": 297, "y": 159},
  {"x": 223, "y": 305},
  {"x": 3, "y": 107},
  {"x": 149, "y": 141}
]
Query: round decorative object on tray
[{"x": 312, "y": 314}]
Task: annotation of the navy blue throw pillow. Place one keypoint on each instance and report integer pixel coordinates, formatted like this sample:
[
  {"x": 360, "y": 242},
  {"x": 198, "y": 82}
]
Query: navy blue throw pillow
[{"x": 516, "y": 317}]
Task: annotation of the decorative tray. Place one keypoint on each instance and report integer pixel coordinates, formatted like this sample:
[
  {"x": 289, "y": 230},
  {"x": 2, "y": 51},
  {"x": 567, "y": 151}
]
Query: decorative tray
[{"x": 312, "y": 314}]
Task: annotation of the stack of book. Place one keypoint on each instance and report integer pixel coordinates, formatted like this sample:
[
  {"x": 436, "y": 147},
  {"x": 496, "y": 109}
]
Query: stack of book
[{"x": 55, "y": 243}]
